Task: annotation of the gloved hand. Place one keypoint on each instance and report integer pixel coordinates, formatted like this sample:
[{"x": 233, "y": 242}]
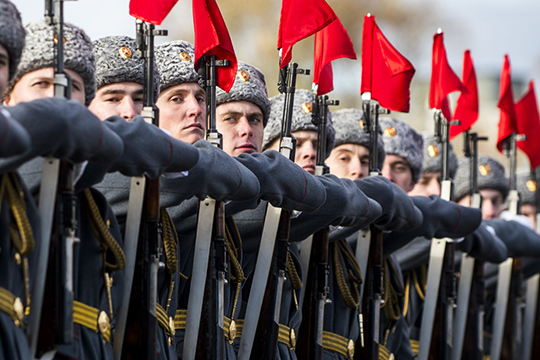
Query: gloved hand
[
  {"x": 484, "y": 244},
  {"x": 14, "y": 139}
]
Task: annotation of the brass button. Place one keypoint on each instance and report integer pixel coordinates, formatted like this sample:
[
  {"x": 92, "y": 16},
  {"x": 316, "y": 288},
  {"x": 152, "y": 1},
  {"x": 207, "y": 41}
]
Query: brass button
[
  {"x": 390, "y": 132},
  {"x": 185, "y": 56},
  {"x": 125, "y": 52},
  {"x": 103, "y": 322},
  {"x": 232, "y": 331},
  {"x": 433, "y": 150},
  {"x": 171, "y": 325},
  {"x": 292, "y": 336},
  {"x": 18, "y": 258},
  {"x": 18, "y": 308},
  {"x": 531, "y": 185},
  {"x": 307, "y": 107},
  {"x": 361, "y": 123},
  {"x": 391, "y": 357},
  {"x": 350, "y": 349},
  {"x": 484, "y": 169},
  {"x": 243, "y": 75}
]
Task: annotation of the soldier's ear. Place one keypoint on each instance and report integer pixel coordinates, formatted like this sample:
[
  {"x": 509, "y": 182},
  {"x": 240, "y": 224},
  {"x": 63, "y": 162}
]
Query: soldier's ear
[{"x": 6, "y": 100}]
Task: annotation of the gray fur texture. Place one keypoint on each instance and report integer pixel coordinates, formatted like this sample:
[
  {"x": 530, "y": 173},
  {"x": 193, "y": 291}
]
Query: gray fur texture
[
  {"x": 117, "y": 62},
  {"x": 349, "y": 131},
  {"x": 402, "y": 140},
  {"x": 301, "y": 119},
  {"x": 175, "y": 63},
  {"x": 491, "y": 175},
  {"x": 526, "y": 186},
  {"x": 11, "y": 34},
  {"x": 433, "y": 156},
  {"x": 38, "y": 53},
  {"x": 249, "y": 85}
]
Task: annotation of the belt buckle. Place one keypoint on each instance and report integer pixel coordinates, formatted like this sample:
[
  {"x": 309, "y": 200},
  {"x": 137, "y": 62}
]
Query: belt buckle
[
  {"x": 350, "y": 349},
  {"x": 103, "y": 322}
]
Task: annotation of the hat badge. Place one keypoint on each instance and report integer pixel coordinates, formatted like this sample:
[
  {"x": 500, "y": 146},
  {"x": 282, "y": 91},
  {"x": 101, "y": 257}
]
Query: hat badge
[
  {"x": 531, "y": 185},
  {"x": 390, "y": 132},
  {"x": 433, "y": 150},
  {"x": 55, "y": 39},
  {"x": 184, "y": 56},
  {"x": 125, "y": 52},
  {"x": 484, "y": 169},
  {"x": 243, "y": 75},
  {"x": 307, "y": 107}
]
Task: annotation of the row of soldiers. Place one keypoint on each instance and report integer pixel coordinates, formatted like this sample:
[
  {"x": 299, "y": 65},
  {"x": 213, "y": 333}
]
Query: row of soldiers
[{"x": 101, "y": 131}]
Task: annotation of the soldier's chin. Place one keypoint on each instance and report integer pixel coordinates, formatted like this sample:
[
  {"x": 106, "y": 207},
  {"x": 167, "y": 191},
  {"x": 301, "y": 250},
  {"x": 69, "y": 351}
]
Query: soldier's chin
[{"x": 192, "y": 137}]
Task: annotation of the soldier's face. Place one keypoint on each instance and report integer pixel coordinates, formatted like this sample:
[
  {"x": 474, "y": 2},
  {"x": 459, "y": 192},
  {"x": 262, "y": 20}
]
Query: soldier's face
[
  {"x": 4, "y": 69},
  {"x": 429, "y": 184},
  {"x": 182, "y": 111},
  {"x": 529, "y": 210},
  {"x": 306, "y": 150},
  {"x": 350, "y": 161},
  {"x": 398, "y": 171},
  {"x": 492, "y": 203},
  {"x": 121, "y": 99},
  {"x": 38, "y": 84},
  {"x": 241, "y": 124}
]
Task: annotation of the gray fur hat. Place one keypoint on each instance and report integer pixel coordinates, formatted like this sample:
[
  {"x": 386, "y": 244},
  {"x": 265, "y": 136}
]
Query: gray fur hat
[
  {"x": 402, "y": 140},
  {"x": 303, "y": 104},
  {"x": 526, "y": 186},
  {"x": 491, "y": 175},
  {"x": 117, "y": 61},
  {"x": 11, "y": 34},
  {"x": 175, "y": 63},
  {"x": 249, "y": 85},
  {"x": 349, "y": 130},
  {"x": 38, "y": 53},
  {"x": 433, "y": 156}
]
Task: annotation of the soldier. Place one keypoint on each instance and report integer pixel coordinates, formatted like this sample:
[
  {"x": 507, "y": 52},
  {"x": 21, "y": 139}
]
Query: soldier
[{"x": 526, "y": 186}]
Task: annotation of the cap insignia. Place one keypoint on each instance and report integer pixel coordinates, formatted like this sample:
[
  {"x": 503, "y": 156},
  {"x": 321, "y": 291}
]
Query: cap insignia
[
  {"x": 531, "y": 185},
  {"x": 184, "y": 56},
  {"x": 390, "y": 132},
  {"x": 125, "y": 52},
  {"x": 433, "y": 150},
  {"x": 307, "y": 107},
  {"x": 243, "y": 75},
  {"x": 484, "y": 169}
]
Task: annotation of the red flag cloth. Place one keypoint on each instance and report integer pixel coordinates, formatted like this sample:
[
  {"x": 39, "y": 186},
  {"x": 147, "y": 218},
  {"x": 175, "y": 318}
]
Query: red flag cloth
[
  {"x": 446, "y": 110},
  {"x": 443, "y": 79},
  {"x": 331, "y": 43},
  {"x": 152, "y": 11},
  {"x": 467, "y": 104},
  {"x": 386, "y": 74},
  {"x": 528, "y": 123},
  {"x": 507, "y": 118},
  {"x": 300, "y": 19},
  {"x": 212, "y": 38}
]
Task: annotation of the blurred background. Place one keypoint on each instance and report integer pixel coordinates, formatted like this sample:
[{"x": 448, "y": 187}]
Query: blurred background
[{"x": 489, "y": 28}]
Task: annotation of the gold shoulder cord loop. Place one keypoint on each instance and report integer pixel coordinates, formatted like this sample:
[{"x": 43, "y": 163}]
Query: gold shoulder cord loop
[
  {"x": 103, "y": 235},
  {"x": 20, "y": 229},
  {"x": 350, "y": 292},
  {"x": 170, "y": 243},
  {"x": 391, "y": 296}
]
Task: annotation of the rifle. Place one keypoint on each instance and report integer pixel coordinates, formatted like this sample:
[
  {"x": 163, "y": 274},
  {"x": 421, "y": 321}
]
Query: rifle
[
  {"x": 469, "y": 320},
  {"x": 369, "y": 250},
  {"x": 204, "y": 322},
  {"x": 53, "y": 287},
  {"x": 438, "y": 311},
  {"x": 315, "y": 285},
  {"x": 141, "y": 323},
  {"x": 260, "y": 333},
  {"x": 507, "y": 339},
  {"x": 531, "y": 325}
]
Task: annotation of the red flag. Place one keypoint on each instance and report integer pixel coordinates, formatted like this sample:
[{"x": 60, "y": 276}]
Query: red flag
[
  {"x": 212, "y": 38},
  {"x": 331, "y": 43},
  {"x": 467, "y": 104},
  {"x": 446, "y": 110},
  {"x": 300, "y": 19},
  {"x": 507, "y": 119},
  {"x": 443, "y": 79},
  {"x": 152, "y": 11},
  {"x": 528, "y": 123},
  {"x": 386, "y": 74}
]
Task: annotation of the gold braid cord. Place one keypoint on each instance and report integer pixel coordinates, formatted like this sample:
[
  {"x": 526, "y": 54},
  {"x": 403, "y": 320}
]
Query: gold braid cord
[
  {"x": 237, "y": 273},
  {"x": 296, "y": 281},
  {"x": 349, "y": 292},
  {"x": 20, "y": 230},
  {"x": 103, "y": 235},
  {"x": 170, "y": 242},
  {"x": 391, "y": 296}
]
